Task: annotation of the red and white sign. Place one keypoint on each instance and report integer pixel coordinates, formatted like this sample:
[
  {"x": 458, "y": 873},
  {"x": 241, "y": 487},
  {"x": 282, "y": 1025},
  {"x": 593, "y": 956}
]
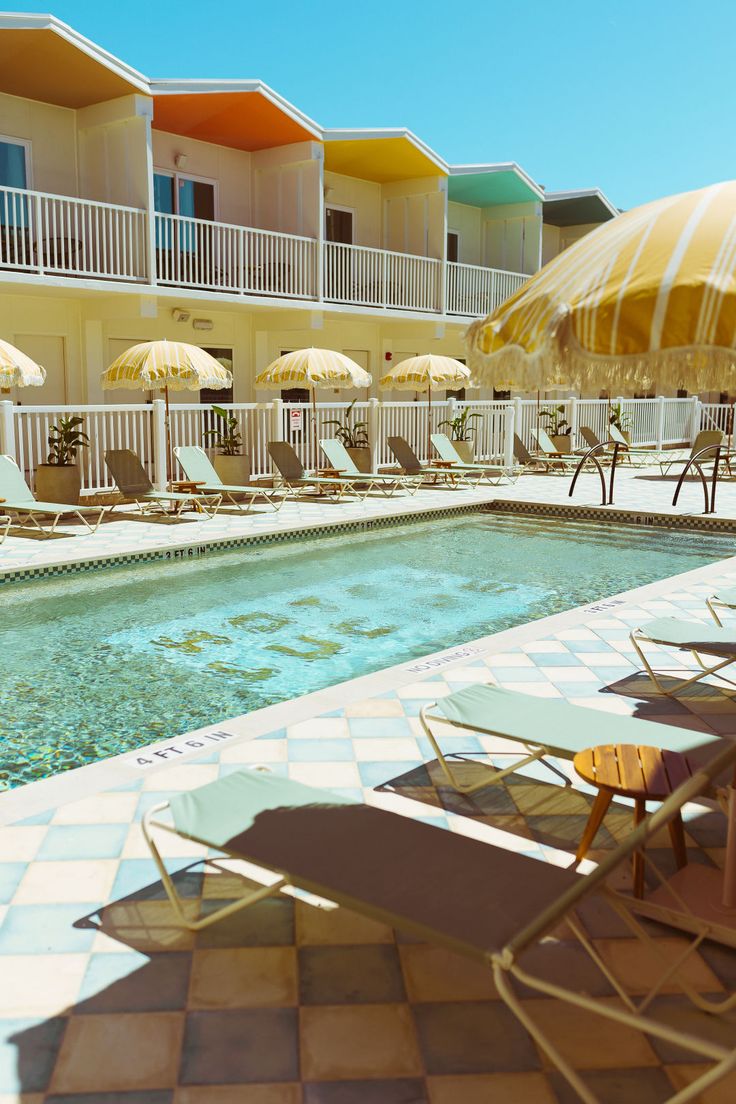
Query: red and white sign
[{"x": 295, "y": 419}]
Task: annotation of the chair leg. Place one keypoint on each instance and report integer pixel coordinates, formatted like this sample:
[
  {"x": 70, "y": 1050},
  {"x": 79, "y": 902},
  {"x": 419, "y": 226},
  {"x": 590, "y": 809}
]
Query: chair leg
[
  {"x": 600, "y": 807},
  {"x": 640, "y": 811},
  {"x": 677, "y": 836}
]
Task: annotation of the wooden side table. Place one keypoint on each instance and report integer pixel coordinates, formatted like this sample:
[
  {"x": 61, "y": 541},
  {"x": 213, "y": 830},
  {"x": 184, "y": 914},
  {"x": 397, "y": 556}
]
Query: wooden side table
[
  {"x": 639, "y": 772},
  {"x": 186, "y": 486}
]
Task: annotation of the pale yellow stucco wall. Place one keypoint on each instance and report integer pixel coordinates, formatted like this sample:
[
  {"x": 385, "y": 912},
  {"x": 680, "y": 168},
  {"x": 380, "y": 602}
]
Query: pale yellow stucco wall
[{"x": 52, "y": 133}]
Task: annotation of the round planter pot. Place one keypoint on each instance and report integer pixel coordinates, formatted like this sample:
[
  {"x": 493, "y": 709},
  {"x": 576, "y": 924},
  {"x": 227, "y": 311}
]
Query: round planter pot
[
  {"x": 234, "y": 471},
  {"x": 58, "y": 483},
  {"x": 361, "y": 457},
  {"x": 563, "y": 442},
  {"x": 465, "y": 450}
]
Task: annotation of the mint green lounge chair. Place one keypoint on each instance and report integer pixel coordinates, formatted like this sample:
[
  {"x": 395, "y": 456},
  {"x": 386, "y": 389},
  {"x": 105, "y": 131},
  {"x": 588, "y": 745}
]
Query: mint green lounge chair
[
  {"x": 488, "y": 904},
  {"x": 132, "y": 481},
  {"x": 4, "y": 526},
  {"x": 297, "y": 478},
  {"x": 386, "y": 482},
  {"x": 542, "y": 727},
  {"x": 410, "y": 464},
  {"x": 724, "y": 598},
  {"x": 716, "y": 641},
  {"x": 197, "y": 466},
  {"x": 16, "y": 499},
  {"x": 545, "y": 444},
  {"x": 491, "y": 473}
]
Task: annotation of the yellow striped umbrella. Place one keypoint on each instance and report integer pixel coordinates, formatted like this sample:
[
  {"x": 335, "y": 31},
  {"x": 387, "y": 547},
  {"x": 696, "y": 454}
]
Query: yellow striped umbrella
[
  {"x": 422, "y": 373},
  {"x": 314, "y": 368},
  {"x": 647, "y": 299},
  {"x": 17, "y": 369},
  {"x": 166, "y": 365}
]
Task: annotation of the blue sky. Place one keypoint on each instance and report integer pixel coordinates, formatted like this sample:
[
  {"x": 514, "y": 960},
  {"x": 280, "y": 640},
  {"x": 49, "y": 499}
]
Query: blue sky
[{"x": 636, "y": 97}]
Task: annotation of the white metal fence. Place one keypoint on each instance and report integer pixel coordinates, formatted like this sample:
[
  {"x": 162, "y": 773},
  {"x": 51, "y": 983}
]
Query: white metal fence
[
  {"x": 218, "y": 256},
  {"x": 656, "y": 423},
  {"x": 474, "y": 291},
  {"x": 381, "y": 278},
  {"x": 65, "y": 236}
]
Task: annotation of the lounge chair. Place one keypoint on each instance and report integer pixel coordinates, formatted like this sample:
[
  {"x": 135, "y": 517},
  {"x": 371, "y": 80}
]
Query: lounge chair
[
  {"x": 567, "y": 461},
  {"x": 295, "y": 477},
  {"x": 410, "y": 464},
  {"x": 543, "y": 728},
  {"x": 475, "y": 899},
  {"x": 666, "y": 458},
  {"x": 197, "y": 466},
  {"x": 716, "y": 641},
  {"x": 724, "y": 598},
  {"x": 526, "y": 460},
  {"x": 16, "y": 499},
  {"x": 5, "y": 521},
  {"x": 386, "y": 482},
  {"x": 493, "y": 473},
  {"x": 132, "y": 481}
]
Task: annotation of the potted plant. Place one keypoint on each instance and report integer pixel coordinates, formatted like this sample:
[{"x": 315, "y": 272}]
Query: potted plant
[
  {"x": 622, "y": 420},
  {"x": 354, "y": 436},
  {"x": 59, "y": 479},
  {"x": 461, "y": 434},
  {"x": 229, "y": 462},
  {"x": 558, "y": 427}
]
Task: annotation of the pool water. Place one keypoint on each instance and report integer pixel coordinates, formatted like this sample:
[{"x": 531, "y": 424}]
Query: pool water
[{"x": 104, "y": 662}]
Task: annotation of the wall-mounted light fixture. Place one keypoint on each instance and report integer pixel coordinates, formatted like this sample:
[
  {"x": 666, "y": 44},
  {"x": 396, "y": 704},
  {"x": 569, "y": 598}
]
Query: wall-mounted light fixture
[
  {"x": 180, "y": 315},
  {"x": 181, "y": 160},
  {"x": 203, "y": 324}
]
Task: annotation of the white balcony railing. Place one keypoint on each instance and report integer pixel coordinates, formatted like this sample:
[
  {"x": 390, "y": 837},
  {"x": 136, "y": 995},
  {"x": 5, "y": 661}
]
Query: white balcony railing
[
  {"x": 474, "y": 291},
  {"x": 65, "y": 236},
  {"x": 362, "y": 276},
  {"x": 218, "y": 256}
]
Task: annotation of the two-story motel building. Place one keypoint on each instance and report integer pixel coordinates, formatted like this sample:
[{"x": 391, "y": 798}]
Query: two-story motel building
[{"x": 218, "y": 213}]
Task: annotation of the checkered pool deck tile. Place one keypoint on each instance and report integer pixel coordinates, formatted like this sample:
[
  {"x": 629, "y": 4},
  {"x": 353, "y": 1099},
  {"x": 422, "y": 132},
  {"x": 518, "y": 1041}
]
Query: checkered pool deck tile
[{"x": 104, "y": 1000}]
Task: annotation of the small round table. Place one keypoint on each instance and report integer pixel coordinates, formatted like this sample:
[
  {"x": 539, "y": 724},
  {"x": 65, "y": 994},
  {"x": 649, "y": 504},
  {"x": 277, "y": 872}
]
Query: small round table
[{"x": 639, "y": 772}]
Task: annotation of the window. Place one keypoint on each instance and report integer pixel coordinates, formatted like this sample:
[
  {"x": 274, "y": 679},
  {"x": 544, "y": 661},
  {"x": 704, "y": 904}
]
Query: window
[
  {"x": 459, "y": 394},
  {"x": 453, "y": 245},
  {"x": 221, "y": 394},
  {"x": 14, "y": 173},
  {"x": 339, "y": 225},
  {"x": 174, "y": 194}
]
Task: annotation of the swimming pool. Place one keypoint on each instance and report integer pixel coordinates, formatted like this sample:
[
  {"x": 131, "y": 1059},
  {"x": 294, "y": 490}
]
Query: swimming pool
[{"x": 100, "y": 663}]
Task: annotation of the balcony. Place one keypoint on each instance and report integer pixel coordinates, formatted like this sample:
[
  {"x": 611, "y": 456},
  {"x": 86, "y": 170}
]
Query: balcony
[
  {"x": 54, "y": 235},
  {"x": 64, "y": 236}
]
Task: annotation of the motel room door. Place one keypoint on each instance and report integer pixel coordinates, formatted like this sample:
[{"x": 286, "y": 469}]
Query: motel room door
[{"x": 50, "y": 353}]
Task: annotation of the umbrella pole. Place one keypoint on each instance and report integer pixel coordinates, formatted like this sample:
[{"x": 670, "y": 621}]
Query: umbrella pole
[
  {"x": 429, "y": 423},
  {"x": 314, "y": 426},
  {"x": 168, "y": 439}
]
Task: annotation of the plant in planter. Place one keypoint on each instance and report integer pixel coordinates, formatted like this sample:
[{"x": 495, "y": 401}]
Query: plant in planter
[
  {"x": 461, "y": 433},
  {"x": 232, "y": 467},
  {"x": 622, "y": 420},
  {"x": 558, "y": 427},
  {"x": 354, "y": 436},
  {"x": 59, "y": 479}
]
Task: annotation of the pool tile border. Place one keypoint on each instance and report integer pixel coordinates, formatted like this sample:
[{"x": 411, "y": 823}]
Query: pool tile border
[
  {"x": 644, "y": 518},
  {"x": 225, "y": 544}
]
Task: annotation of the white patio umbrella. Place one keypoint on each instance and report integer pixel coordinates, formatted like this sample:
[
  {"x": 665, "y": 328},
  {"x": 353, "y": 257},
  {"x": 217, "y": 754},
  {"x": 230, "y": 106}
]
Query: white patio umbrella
[
  {"x": 422, "y": 373},
  {"x": 314, "y": 368},
  {"x": 166, "y": 365},
  {"x": 17, "y": 369}
]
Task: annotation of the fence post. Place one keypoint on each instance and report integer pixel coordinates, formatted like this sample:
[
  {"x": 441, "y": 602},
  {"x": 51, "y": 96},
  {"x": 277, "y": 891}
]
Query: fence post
[
  {"x": 374, "y": 429},
  {"x": 158, "y": 408},
  {"x": 660, "y": 423},
  {"x": 508, "y": 437},
  {"x": 574, "y": 420},
  {"x": 277, "y": 420},
  {"x": 518, "y": 417},
  {"x": 7, "y": 429},
  {"x": 694, "y": 419}
]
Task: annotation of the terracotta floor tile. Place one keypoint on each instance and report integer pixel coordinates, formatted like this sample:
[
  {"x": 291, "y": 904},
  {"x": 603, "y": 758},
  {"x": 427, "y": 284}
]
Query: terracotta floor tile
[
  {"x": 239, "y": 1094},
  {"x": 588, "y": 1040},
  {"x": 638, "y": 968},
  {"x": 356, "y": 1041},
  {"x": 238, "y": 1046},
  {"x": 399, "y": 1090},
  {"x": 491, "y": 1088},
  {"x": 119, "y": 1052},
  {"x": 473, "y": 1037},
  {"x": 724, "y": 1092},
  {"x": 244, "y": 977},
  {"x": 368, "y": 974},
  {"x": 144, "y": 926},
  {"x": 616, "y": 1086},
  {"x": 40, "y": 984},
  {"x": 434, "y": 974},
  {"x": 333, "y": 926}
]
